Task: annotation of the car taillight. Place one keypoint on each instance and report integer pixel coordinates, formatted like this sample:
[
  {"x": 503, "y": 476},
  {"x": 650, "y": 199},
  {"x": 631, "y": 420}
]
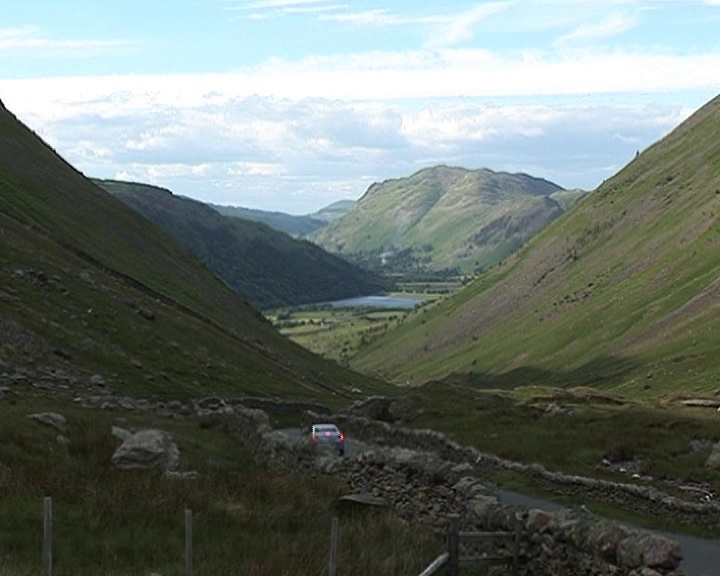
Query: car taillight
[{"x": 342, "y": 437}]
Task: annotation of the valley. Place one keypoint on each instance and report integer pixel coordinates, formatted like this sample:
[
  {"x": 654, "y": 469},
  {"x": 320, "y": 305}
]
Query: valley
[{"x": 574, "y": 348}]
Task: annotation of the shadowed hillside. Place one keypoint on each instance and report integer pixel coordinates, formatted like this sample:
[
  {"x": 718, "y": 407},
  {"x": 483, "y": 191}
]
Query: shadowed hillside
[
  {"x": 267, "y": 267},
  {"x": 623, "y": 291},
  {"x": 442, "y": 218},
  {"x": 91, "y": 291}
]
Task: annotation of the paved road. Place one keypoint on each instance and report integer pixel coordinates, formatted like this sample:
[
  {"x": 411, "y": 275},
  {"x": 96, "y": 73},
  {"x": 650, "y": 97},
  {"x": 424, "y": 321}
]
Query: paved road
[{"x": 702, "y": 555}]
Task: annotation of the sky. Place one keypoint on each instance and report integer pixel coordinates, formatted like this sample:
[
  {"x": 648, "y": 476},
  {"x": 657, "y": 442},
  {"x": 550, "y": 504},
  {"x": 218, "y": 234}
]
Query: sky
[{"x": 290, "y": 105}]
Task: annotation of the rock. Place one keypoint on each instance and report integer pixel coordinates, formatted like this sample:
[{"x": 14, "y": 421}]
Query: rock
[
  {"x": 459, "y": 471},
  {"x": 147, "y": 449},
  {"x": 52, "y": 419},
  {"x": 147, "y": 313},
  {"x": 97, "y": 380},
  {"x": 376, "y": 408},
  {"x": 189, "y": 475},
  {"x": 714, "y": 459},
  {"x": 537, "y": 519},
  {"x": 651, "y": 550},
  {"x": 604, "y": 537},
  {"x": 121, "y": 433},
  {"x": 362, "y": 500}
]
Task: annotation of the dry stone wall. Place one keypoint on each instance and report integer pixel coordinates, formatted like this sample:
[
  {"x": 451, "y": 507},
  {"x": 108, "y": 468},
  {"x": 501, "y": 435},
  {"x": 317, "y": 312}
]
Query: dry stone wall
[
  {"x": 431, "y": 477},
  {"x": 644, "y": 500}
]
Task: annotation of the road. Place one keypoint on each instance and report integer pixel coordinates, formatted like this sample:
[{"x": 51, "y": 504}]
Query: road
[{"x": 702, "y": 555}]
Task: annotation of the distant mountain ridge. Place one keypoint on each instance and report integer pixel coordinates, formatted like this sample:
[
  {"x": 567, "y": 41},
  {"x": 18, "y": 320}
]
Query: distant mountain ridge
[
  {"x": 297, "y": 226},
  {"x": 267, "y": 267},
  {"x": 442, "y": 218}
]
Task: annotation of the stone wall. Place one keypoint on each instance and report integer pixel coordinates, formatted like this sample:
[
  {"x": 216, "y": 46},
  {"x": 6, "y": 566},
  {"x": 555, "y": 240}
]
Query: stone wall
[
  {"x": 644, "y": 500},
  {"x": 438, "y": 477}
]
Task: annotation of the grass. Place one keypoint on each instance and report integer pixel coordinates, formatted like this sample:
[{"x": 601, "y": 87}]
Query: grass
[
  {"x": 336, "y": 333},
  {"x": 629, "y": 273},
  {"x": 658, "y": 439},
  {"x": 246, "y": 519},
  {"x": 339, "y": 333}
]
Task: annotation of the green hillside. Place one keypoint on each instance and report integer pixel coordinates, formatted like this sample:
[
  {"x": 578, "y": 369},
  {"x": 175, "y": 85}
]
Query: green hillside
[
  {"x": 442, "y": 218},
  {"x": 621, "y": 292},
  {"x": 90, "y": 288},
  {"x": 266, "y": 267}
]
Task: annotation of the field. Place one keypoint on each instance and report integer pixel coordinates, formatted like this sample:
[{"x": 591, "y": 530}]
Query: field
[
  {"x": 246, "y": 519},
  {"x": 338, "y": 333}
]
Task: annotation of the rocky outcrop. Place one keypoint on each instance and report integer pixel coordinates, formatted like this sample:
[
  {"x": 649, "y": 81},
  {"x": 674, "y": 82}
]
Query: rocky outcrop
[
  {"x": 147, "y": 449},
  {"x": 52, "y": 419}
]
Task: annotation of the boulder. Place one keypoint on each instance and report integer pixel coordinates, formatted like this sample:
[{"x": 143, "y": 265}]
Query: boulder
[
  {"x": 652, "y": 550},
  {"x": 714, "y": 459},
  {"x": 121, "y": 433},
  {"x": 376, "y": 408},
  {"x": 147, "y": 449},
  {"x": 52, "y": 419}
]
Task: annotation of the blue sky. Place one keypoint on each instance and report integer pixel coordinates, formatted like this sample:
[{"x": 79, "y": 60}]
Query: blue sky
[{"x": 290, "y": 105}]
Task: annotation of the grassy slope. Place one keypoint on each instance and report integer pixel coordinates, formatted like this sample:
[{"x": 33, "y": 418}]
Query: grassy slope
[
  {"x": 268, "y": 268},
  {"x": 76, "y": 269},
  {"x": 470, "y": 218},
  {"x": 621, "y": 292}
]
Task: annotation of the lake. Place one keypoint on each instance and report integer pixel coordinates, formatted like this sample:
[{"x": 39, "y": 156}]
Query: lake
[{"x": 403, "y": 302}]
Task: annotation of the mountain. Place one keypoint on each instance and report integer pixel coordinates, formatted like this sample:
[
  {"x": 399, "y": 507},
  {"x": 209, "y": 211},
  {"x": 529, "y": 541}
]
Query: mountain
[
  {"x": 96, "y": 300},
  {"x": 268, "y": 268},
  {"x": 442, "y": 219},
  {"x": 622, "y": 291},
  {"x": 293, "y": 225},
  {"x": 333, "y": 211}
]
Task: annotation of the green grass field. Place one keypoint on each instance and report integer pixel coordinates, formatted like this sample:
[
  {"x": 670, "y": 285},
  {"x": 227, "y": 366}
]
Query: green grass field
[{"x": 246, "y": 519}]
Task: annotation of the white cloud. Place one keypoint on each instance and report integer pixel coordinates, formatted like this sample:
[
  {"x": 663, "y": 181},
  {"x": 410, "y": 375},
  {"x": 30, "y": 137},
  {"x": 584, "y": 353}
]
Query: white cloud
[
  {"x": 263, "y": 9},
  {"x": 30, "y": 38},
  {"x": 461, "y": 26},
  {"x": 357, "y": 77},
  {"x": 300, "y": 155},
  {"x": 612, "y": 25}
]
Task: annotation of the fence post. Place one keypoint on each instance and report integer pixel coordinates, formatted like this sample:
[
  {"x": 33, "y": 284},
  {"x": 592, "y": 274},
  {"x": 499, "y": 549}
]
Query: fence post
[
  {"x": 516, "y": 548},
  {"x": 47, "y": 536},
  {"x": 453, "y": 544},
  {"x": 188, "y": 543},
  {"x": 333, "y": 547}
]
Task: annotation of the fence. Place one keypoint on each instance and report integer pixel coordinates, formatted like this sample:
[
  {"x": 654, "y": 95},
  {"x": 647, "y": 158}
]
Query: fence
[
  {"x": 453, "y": 561},
  {"x": 450, "y": 558},
  {"x": 47, "y": 556}
]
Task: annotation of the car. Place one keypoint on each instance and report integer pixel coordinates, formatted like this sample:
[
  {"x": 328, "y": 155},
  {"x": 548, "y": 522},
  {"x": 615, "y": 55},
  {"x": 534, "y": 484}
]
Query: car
[{"x": 328, "y": 434}]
